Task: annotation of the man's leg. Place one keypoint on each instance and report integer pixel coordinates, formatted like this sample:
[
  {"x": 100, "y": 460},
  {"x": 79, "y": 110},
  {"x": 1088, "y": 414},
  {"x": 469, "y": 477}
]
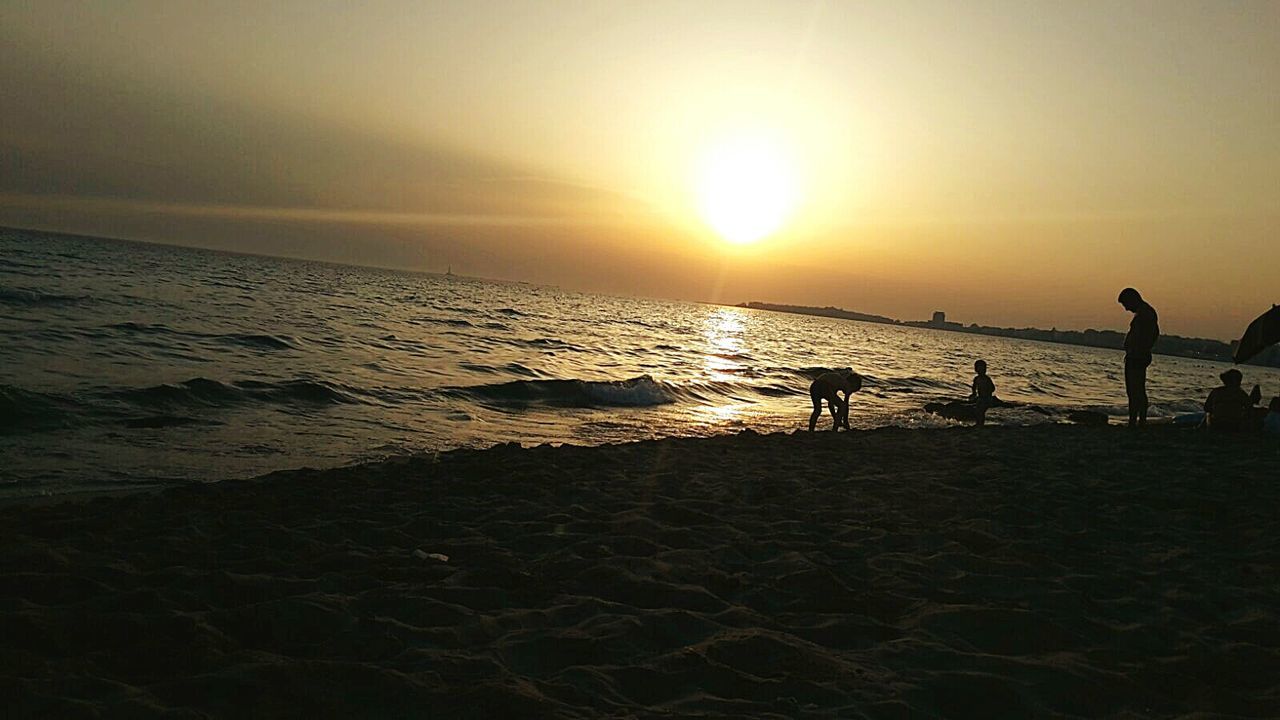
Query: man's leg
[
  {"x": 1141, "y": 377},
  {"x": 1135, "y": 387},
  {"x": 1129, "y": 390}
]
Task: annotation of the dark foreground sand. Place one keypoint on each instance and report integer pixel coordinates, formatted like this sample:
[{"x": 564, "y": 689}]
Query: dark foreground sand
[{"x": 1004, "y": 572}]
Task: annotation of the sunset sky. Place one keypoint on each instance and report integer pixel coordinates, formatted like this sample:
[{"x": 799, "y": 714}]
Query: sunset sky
[{"x": 1011, "y": 163}]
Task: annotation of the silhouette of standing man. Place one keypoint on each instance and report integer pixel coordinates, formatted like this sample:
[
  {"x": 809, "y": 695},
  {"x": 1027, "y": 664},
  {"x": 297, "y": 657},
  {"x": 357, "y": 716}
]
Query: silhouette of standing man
[{"x": 1143, "y": 331}]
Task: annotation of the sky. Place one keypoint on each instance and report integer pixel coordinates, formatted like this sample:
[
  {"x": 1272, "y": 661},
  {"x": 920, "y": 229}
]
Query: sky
[{"x": 1010, "y": 163}]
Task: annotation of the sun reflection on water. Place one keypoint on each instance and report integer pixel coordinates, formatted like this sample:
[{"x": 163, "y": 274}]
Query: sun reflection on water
[
  {"x": 725, "y": 350},
  {"x": 718, "y": 415}
]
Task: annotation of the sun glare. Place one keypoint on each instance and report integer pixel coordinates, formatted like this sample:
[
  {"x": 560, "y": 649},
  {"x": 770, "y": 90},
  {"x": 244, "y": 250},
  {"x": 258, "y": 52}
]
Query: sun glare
[{"x": 747, "y": 187}]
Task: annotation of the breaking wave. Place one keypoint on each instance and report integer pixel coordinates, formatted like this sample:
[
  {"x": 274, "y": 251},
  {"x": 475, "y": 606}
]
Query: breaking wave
[
  {"x": 202, "y": 392},
  {"x": 32, "y": 298},
  {"x": 640, "y": 391}
]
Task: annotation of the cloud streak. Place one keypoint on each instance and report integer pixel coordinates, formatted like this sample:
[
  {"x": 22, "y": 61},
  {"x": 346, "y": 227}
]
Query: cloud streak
[
  {"x": 76, "y": 134},
  {"x": 299, "y": 214}
]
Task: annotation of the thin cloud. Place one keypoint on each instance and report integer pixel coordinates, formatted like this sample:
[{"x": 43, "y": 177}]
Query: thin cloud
[{"x": 299, "y": 214}]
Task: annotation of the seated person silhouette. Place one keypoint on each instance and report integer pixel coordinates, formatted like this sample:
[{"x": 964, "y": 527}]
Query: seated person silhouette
[
  {"x": 828, "y": 387},
  {"x": 984, "y": 389},
  {"x": 1257, "y": 411},
  {"x": 1271, "y": 423},
  {"x": 1227, "y": 408}
]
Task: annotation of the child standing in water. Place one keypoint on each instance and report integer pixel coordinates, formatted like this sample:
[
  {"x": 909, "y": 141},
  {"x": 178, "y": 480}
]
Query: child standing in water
[{"x": 984, "y": 388}]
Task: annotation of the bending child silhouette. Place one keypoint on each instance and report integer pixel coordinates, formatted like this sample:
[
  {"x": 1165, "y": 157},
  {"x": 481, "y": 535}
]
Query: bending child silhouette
[{"x": 828, "y": 387}]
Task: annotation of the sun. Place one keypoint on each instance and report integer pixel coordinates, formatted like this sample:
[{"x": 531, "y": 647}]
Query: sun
[{"x": 747, "y": 187}]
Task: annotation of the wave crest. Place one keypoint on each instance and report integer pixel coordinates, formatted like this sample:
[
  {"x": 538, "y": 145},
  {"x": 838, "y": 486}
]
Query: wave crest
[
  {"x": 24, "y": 411},
  {"x": 642, "y": 391},
  {"x": 34, "y": 298},
  {"x": 202, "y": 392}
]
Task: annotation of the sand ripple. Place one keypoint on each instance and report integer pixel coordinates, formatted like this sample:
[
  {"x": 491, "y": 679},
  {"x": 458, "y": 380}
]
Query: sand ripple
[{"x": 1013, "y": 572}]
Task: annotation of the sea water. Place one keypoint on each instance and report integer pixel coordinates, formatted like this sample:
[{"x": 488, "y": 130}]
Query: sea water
[{"x": 125, "y": 362}]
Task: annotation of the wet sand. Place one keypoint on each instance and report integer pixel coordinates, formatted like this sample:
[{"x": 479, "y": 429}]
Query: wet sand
[{"x": 997, "y": 572}]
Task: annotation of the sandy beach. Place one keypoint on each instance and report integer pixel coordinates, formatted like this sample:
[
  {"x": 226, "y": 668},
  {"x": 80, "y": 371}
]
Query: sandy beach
[{"x": 1004, "y": 572}]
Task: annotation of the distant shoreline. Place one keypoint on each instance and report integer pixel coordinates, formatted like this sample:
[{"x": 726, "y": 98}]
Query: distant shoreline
[{"x": 1172, "y": 345}]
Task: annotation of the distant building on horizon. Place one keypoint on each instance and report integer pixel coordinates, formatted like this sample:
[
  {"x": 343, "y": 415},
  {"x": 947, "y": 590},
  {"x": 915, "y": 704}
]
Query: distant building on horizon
[
  {"x": 939, "y": 321},
  {"x": 1167, "y": 345}
]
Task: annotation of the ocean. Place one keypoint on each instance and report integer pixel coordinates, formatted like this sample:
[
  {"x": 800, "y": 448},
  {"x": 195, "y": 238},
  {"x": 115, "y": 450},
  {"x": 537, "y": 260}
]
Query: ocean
[{"x": 127, "y": 363}]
